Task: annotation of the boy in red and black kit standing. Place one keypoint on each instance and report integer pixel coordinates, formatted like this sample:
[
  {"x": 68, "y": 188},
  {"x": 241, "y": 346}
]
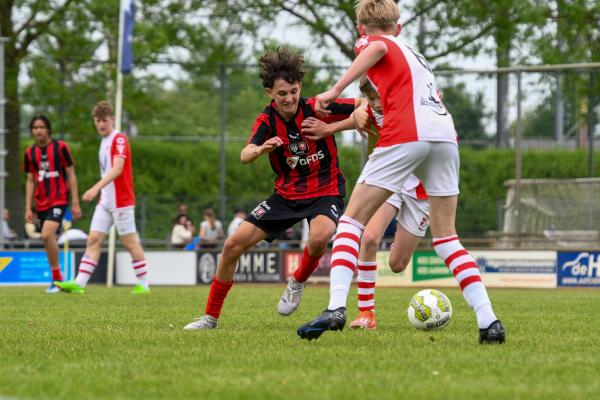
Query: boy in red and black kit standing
[{"x": 50, "y": 179}]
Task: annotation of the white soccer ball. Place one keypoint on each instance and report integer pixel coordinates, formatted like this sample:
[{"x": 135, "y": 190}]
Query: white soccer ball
[{"x": 429, "y": 310}]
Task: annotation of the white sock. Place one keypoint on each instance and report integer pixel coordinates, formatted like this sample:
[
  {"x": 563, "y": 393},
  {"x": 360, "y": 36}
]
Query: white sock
[
  {"x": 466, "y": 273},
  {"x": 338, "y": 292},
  {"x": 86, "y": 269},
  {"x": 140, "y": 268},
  {"x": 367, "y": 275},
  {"x": 343, "y": 260}
]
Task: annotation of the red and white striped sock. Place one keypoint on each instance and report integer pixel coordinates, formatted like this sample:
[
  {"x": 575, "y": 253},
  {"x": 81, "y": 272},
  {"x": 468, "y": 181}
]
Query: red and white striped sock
[
  {"x": 86, "y": 268},
  {"x": 367, "y": 275},
  {"x": 343, "y": 260},
  {"x": 466, "y": 273},
  {"x": 140, "y": 268}
]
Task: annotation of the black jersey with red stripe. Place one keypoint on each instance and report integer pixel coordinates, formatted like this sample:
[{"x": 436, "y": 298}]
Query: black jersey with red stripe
[
  {"x": 48, "y": 164},
  {"x": 305, "y": 168}
]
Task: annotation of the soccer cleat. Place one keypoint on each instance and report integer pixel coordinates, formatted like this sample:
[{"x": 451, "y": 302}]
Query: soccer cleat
[
  {"x": 364, "y": 321},
  {"x": 140, "y": 289},
  {"x": 69, "y": 287},
  {"x": 493, "y": 334},
  {"x": 53, "y": 289},
  {"x": 328, "y": 321},
  {"x": 290, "y": 299},
  {"x": 202, "y": 323}
]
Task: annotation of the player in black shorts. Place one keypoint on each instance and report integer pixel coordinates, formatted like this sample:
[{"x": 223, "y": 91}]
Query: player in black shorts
[
  {"x": 50, "y": 180},
  {"x": 308, "y": 184}
]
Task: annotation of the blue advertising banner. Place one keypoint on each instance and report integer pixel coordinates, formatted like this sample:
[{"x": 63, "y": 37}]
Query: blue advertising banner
[
  {"x": 31, "y": 267},
  {"x": 578, "y": 268}
]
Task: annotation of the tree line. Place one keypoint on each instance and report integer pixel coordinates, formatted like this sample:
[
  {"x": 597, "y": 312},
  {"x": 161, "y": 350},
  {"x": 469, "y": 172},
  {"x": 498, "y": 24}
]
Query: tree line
[{"x": 61, "y": 59}]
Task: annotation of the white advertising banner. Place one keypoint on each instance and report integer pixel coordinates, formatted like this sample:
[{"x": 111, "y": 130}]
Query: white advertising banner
[
  {"x": 164, "y": 268},
  {"x": 499, "y": 268}
]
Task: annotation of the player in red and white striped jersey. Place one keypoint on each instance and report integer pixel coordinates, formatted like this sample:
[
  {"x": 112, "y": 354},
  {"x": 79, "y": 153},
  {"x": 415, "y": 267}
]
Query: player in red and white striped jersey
[
  {"x": 410, "y": 207},
  {"x": 115, "y": 206},
  {"x": 418, "y": 137},
  {"x": 50, "y": 180}
]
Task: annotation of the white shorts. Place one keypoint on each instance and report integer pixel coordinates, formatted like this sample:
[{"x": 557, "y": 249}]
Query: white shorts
[
  {"x": 414, "y": 215},
  {"x": 436, "y": 164},
  {"x": 123, "y": 218}
]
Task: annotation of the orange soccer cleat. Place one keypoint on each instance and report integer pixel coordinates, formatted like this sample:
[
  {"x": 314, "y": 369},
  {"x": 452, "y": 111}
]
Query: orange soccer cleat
[{"x": 365, "y": 320}]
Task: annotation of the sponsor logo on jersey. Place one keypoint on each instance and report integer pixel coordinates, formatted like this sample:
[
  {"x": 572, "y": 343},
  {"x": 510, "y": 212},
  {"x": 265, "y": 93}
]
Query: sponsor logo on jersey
[
  {"x": 361, "y": 42},
  {"x": 299, "y": 147},
  {"x": 434, "y": 101},
  {"x": 292, "y": 161}
]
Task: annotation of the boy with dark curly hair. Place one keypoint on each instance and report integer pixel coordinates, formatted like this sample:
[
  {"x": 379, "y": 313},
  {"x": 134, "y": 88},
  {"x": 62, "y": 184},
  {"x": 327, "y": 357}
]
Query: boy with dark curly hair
[{"x": 309, "y": 183}]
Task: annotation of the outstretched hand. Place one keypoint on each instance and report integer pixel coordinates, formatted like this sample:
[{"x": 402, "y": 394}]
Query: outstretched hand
[
  {"x": 315, "y": 129},
  {"x": 271, "y": 145},
  {"x": 324, "y": 99},
  {"x": 363, "y": 122}
]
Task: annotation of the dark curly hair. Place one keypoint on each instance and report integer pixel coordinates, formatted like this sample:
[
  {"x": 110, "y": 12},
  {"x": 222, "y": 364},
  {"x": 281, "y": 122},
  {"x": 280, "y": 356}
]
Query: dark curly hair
[
  {"x": 44, "y": 119},
  {"x": 281, "y": 63}
]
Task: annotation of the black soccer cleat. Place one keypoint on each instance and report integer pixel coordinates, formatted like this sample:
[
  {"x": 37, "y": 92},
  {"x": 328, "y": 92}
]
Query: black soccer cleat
[
  {"x": 327, "y": 321},
  {"x": 493, "y": 334}
]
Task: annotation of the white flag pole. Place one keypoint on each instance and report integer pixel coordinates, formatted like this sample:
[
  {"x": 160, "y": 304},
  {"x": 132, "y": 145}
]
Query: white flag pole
[{"x": 112, "y": 236}]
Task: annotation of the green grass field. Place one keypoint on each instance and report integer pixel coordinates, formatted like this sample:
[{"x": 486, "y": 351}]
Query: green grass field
[{"x": 110, "y": 344}]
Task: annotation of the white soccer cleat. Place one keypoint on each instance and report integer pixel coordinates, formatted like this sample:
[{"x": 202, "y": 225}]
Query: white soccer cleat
[
  {"x": 202, "y": 323},
  {"x": 290, "y": 299}
]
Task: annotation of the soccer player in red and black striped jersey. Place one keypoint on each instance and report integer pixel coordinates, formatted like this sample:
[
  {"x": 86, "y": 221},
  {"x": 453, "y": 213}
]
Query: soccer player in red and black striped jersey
[
  {"x": 50, "y": 179},
  {"x": 308, "y": 184}
]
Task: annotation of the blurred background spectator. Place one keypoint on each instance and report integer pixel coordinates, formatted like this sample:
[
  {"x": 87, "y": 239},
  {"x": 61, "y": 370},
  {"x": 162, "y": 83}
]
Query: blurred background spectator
[
  {"x": 182, "y": 233},
  {"x": 7, "y": 233},
  {"x": 211, "y": 230},
  {"x": 238, "y": 218}
]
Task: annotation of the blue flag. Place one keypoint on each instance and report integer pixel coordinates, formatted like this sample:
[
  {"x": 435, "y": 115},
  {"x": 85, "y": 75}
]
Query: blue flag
[{"x": 127, "y": 55}]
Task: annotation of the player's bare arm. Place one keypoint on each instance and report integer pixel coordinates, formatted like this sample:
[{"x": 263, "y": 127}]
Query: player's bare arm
[
  {"x": 29, "y": 190},
  {"x": 111, "y": 175},
  {"x": 251, "y": 152},
  {"x": 72, "y": 182},
  {"x": 365, "y": 60}
]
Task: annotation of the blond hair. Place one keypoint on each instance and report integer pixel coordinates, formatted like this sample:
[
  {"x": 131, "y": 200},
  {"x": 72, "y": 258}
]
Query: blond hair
[
  {"x": 377, "y": 13},
  {"x": 103, "y": 110},
  {"x": 366, "y": 87}
]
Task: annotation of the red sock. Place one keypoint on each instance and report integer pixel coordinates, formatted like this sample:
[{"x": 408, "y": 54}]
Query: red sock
[
  {"x": 56, "y": 275},
  {"x": 307, "y": 266},
  {"x": 216, "y": 297}
]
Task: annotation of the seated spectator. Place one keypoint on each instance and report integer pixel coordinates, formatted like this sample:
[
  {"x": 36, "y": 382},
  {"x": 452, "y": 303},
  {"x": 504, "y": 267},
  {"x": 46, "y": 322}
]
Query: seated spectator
[
  {"x": 7, "y": 232},
  {"x": 238, "y": 218},
  {"x": 211, "y": 230},
  {"x": 182, "y": 232}
]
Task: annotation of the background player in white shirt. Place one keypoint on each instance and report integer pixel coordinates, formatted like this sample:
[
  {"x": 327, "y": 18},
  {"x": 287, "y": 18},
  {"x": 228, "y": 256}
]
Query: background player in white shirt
[
  {"x": 418, "y": 136},
  {"x": 116, "y": 204}
]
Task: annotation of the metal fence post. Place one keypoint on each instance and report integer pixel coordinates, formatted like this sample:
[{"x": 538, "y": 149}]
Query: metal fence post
[
  {"x": 3, "y": 151},
  {"x": 223, "y": 169},
  {"x": 590, "y": 123},
  {"x": 518, "y": 160}
]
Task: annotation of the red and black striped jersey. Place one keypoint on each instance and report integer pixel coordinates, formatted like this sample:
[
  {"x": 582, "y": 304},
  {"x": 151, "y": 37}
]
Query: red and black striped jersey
[
  {"x": 304, "y": 168},
  {"x": 48, "y": 164}
]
